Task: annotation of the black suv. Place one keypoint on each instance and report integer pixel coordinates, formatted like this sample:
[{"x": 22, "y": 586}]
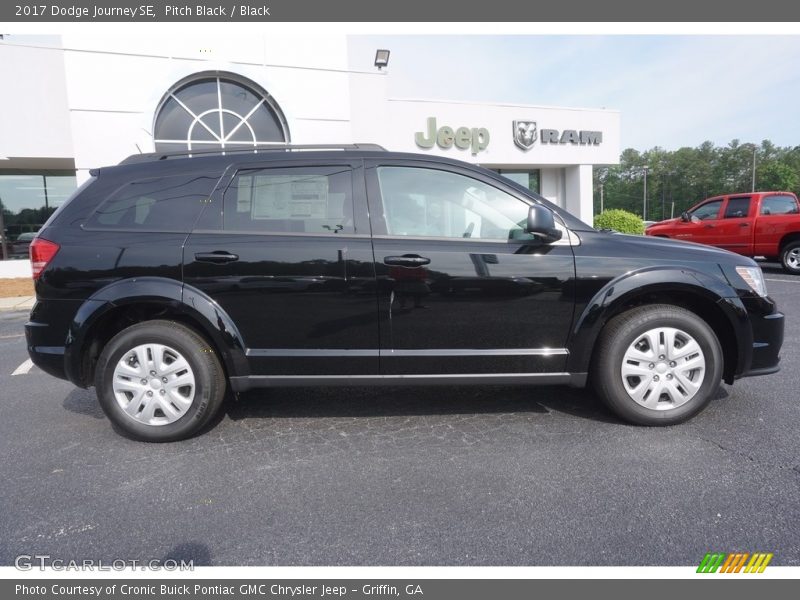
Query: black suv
[{"x": 168, "y": 279}]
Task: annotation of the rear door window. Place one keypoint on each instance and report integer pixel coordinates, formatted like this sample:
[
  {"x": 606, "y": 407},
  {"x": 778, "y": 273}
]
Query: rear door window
[
  {"x": 315, "y": 200},
  {"x": 158, "y": 204},
  {"x": 737, "y": 208}
]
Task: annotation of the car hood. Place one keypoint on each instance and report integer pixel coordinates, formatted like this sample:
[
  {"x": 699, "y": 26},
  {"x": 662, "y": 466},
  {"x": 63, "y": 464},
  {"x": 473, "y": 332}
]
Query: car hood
[
  {"x": 669, "y": 222},
  {"x": 665, "y": 248}
]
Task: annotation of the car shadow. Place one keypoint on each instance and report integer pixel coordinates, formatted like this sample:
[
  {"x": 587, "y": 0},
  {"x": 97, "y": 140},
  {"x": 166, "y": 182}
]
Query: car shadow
[
  {"x": 772, "y": 268},
  {"x": 83, "y": 402},
  {"x": 321, "y": 402},
  {"x": 316, "y": 402}
]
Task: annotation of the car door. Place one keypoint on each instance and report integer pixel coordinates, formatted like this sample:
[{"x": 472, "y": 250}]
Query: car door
[
  {"x": 734, "y": 230},
  {"x": 702, "y": 224},
  {"x": 285, "y": 251},
  {"x": 461, "y": 288},
  {"x": 777, "y": 216}
]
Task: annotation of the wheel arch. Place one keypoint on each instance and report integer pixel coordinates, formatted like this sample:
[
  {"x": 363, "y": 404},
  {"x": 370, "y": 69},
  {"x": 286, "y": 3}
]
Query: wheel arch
[
  {"x": 708, "y": 297},
  {"x": 788, "y": 238},
  {"x": 129, "y": 301}
]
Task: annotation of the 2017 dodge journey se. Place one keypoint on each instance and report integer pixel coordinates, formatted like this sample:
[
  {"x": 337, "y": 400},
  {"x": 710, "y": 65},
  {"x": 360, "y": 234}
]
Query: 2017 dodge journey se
[{"x": 168, "y": 279}]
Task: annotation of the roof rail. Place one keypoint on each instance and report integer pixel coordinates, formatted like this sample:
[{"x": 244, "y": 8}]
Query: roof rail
[{"x": 138, "y": 158}]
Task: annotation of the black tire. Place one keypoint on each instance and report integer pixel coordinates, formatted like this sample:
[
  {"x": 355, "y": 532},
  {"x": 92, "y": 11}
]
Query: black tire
[
  {"x": 622, "y": 331},
  {"x": 790, "y": 257},
  {"x": 209, "y": 380}
]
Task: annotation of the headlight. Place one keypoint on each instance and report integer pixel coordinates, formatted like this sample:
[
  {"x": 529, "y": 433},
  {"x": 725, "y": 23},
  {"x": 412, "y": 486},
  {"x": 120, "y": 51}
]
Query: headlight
[{"x": 754, "y": 278}]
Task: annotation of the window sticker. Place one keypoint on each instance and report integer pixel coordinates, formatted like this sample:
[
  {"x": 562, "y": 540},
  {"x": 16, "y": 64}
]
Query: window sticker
[{"x": 287, "y": 197}]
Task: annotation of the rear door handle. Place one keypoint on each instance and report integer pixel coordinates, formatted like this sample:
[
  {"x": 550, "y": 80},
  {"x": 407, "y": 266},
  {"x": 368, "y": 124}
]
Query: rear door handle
[
  {"x": 407, "y": 260},
  {"x": 744, "y": 224},
  {"x": 218, "y": 257}
]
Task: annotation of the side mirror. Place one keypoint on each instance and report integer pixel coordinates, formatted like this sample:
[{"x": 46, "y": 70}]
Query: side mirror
[
  {"x": 685, "y": 217},
  {"x": 541, "y": 222}
]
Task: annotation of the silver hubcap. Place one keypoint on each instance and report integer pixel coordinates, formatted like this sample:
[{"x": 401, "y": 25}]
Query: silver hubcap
[
  {"x": 793, "y": 258},
  {"x": 154, "y": 384},
  {"x": 663, "y": 368}
]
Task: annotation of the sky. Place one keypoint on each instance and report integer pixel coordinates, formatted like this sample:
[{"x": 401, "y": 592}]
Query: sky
[{"x": 672, "y": 91}]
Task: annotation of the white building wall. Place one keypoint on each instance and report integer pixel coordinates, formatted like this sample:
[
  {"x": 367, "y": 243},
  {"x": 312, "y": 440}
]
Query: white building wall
[
  {"x": 114, "y": 86},
  {"x": 370, "y": 111},
  {"x": 406, "y": 117},
  {"x": 578, "y": 192},
  {"x": 94, "y": 98},
  {"x": 551, "y": 185},
  {"x": 34, "y": 115}
]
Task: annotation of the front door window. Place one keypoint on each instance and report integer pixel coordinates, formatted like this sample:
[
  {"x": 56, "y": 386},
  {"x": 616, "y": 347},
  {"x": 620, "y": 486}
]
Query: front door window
[
  {"x": 707, "y": 212},
  {"x": 432, "y": 203}
]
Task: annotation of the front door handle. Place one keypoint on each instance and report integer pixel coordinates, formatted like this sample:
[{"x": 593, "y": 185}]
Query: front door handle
[
  {"x": 218, "y": 257},
  {"x": 407, "y": 260},
  {"x": 744, "y": 224}
]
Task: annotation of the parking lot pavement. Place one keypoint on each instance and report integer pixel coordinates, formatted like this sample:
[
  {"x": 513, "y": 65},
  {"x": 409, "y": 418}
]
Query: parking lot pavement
[{"x": 500, "y": 475}]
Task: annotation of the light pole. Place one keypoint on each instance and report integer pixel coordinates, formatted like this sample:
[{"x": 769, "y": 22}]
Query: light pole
[
  {"x": 754, "y": 168},
  {"x": 3, "y": 242},
  {"x": 601, "y": 198},
  {"x": 644, "y": 202}
]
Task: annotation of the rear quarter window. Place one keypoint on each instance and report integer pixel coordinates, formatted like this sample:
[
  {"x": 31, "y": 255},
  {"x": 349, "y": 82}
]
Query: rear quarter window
[
  {"x": 170, "y": 203},
  {"x": 779, "y": 205}
]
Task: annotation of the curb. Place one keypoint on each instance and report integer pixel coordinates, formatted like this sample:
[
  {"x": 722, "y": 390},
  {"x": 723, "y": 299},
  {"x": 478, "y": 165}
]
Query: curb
[{"x": 18, "y": 303}]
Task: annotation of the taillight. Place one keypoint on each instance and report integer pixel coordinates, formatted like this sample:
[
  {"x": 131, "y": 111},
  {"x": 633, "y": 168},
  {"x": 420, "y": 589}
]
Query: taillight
[{"x": 42, "y": 252}]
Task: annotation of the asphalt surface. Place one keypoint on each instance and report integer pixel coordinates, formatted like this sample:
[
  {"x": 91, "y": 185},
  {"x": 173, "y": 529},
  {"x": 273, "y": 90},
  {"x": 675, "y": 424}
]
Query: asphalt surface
[{"x": 393, "y": 476}]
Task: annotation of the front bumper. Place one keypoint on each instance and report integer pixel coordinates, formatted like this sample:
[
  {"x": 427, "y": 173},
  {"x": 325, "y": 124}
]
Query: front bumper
[{"x": 767, "y": 324}]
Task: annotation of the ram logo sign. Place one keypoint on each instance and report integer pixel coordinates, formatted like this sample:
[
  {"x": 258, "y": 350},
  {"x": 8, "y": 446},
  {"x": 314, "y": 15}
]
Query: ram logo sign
[{"x": 524, "y": 134}]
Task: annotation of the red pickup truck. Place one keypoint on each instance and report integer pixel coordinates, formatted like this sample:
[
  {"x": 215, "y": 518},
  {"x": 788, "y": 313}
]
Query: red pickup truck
[{"x": 753, "y": 224}]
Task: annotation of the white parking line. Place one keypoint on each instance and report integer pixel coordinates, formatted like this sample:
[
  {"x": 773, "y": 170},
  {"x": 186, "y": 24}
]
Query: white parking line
[
  {"x": 23, "y": 368},
  {"x": 781, "y": 280}
]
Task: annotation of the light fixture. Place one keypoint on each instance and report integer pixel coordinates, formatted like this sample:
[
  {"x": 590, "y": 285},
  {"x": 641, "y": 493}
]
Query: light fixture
[{"x": 381, "y": 58}]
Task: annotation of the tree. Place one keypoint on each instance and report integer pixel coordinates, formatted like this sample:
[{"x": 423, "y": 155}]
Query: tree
[
  {"x": 687, "y": 175},
  {"x": 777, "y": 176}
]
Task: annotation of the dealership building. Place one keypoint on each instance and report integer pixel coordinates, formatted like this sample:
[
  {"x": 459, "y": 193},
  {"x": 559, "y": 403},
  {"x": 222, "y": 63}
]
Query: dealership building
[{"x": 75, "y": 102}]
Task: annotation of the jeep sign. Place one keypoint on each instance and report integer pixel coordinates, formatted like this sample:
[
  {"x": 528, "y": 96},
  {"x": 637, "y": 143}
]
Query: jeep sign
[{"x": 475, "y": 138}]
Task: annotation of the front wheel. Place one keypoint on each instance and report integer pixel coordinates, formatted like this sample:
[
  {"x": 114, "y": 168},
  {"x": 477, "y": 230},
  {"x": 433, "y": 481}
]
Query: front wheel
[
  {"x": 657, "y": 365},
  {"x": 159, "y": 381},
  {"x": 790, "y": 257}
]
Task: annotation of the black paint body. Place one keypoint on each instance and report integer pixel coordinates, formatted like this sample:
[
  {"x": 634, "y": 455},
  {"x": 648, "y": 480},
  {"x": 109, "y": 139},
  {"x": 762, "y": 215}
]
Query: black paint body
[{"x": 295, "y": 308}]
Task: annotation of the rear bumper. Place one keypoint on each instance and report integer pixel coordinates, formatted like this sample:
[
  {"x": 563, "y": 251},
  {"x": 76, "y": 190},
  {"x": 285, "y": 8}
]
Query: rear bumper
[
  {"x": 46, "y": 334},
  {"x": 767, "y": 324}
]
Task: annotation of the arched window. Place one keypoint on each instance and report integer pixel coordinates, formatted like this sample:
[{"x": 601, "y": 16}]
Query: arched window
[{"x": 208, "y": 111}]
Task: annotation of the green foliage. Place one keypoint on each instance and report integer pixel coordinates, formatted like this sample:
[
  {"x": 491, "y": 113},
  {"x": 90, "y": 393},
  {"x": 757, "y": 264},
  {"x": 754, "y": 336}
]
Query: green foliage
[
  {"x": 619, "y": 220},
  {"x": 688, "y": 175},
  {"x": 778, "y": 176}
]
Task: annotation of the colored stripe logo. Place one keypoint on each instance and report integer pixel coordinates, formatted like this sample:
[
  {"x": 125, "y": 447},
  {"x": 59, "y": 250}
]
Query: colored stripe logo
[{"x": 734, "y": 562}]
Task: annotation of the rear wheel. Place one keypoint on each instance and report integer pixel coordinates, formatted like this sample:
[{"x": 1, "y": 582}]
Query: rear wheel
[
  {"x": 657, "y": 365},
  {"x": 159, "y": 381},
  {"x": 790, "y": 257}
]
